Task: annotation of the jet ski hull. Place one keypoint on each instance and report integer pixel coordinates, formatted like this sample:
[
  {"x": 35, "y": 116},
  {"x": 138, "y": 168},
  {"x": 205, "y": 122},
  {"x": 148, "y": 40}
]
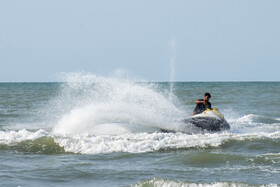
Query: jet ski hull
[
  {"x": 210, "y": 120},
  {"x": 209, "y": 123}
]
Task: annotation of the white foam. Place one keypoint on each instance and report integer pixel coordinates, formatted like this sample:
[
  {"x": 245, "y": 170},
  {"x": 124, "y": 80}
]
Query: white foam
[
  {"x": 247, "y": 120},
  {"x": 132, "y": 142},
  {"x": 9, "y": 137},
  {"x": 254, "y": 124},
  {"x": 157, "y": 182},
  {"x": 253, "y": 119},
  {"x": 135, "y": 143},
  {"x": 145, "y": 142}
]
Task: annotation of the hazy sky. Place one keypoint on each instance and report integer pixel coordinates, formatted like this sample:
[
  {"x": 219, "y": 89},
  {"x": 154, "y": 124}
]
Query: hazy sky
[{"x": 206, "y": 40}]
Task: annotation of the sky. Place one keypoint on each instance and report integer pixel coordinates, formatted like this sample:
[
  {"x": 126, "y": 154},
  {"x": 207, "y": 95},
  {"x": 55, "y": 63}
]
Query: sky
[{"x": 155, "y": 40}]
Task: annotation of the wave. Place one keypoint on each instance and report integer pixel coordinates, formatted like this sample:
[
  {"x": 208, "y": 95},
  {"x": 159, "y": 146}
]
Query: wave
[
  {"x": 206, "y": 157},
  {"x": 44, "y": 142},
  {"x": 43, "y": 145},
  {"x": 145, "y": 142},
  {"x": 39, "y": 142},
  {"x": 252, "y": 119},
  {"x": 159, "y": 182},
  {"x": 13, "y": 136},
  {"x": 254, "y": 124}
]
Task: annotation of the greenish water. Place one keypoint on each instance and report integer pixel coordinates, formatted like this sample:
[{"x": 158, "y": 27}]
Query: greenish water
[{"x": 106, "y": 132}]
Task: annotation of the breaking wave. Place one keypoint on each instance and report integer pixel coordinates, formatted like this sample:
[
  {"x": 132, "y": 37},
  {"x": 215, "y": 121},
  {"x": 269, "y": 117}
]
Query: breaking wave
[
  {"x": 50, "y": 143},
  {"x": 158, "y": 182}
]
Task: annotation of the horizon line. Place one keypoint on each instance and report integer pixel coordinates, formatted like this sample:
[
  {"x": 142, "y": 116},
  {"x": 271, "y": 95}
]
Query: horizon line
[{"x": 144, "y": 81}]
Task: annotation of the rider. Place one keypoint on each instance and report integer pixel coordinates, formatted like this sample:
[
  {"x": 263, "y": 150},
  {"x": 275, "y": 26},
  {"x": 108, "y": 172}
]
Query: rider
[{"x": 202, "y": 104}]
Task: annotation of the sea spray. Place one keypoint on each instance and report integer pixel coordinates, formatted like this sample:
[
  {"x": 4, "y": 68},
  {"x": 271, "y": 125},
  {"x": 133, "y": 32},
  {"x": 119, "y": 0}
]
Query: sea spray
[
  {"x": 109, "y": 105},
  {"x": 172, "y": 47}
]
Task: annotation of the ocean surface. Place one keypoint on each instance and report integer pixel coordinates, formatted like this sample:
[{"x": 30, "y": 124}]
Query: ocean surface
[{"x": 89, "y": 130}]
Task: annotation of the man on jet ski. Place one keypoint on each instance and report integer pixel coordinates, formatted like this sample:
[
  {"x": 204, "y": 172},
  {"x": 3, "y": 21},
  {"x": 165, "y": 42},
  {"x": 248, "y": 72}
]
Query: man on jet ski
[{"x": 202, "y": 104}]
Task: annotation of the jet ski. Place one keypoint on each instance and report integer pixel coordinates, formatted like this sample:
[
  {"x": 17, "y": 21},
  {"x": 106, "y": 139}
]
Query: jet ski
[{"x": 210, "y": 119}]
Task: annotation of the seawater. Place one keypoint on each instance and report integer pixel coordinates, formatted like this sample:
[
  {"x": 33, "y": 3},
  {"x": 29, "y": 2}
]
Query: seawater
[{"x": 91, "y": 130}]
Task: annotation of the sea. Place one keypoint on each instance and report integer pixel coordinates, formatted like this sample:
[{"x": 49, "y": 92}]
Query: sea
[{"x": 90, "y": 130}]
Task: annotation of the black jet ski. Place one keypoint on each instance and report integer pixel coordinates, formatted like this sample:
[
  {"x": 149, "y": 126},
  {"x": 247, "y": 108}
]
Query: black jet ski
[{"x": 210, "y": 119}]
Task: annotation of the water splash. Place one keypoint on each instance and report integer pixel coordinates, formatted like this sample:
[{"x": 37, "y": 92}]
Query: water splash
[
  {"x": 172, "y": 48},
  {"x": 110, "y": 105}
]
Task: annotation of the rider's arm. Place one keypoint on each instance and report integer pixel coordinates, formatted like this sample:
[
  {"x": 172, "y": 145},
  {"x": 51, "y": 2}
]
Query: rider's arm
[{"x": 199, "y": 101}]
